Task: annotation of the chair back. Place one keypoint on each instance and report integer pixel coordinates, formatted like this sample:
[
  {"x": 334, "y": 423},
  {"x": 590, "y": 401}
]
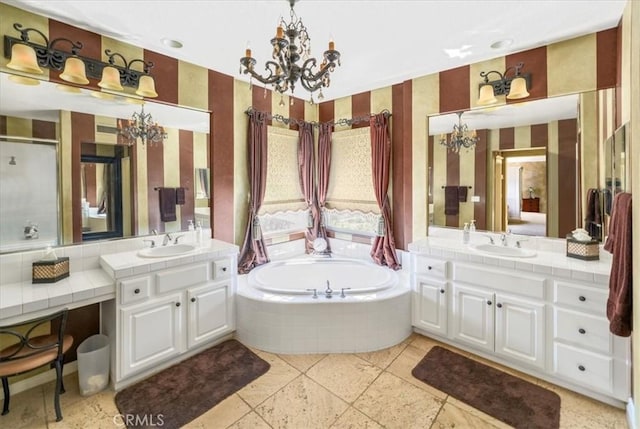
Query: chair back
[{"x": 21, "y": 346}]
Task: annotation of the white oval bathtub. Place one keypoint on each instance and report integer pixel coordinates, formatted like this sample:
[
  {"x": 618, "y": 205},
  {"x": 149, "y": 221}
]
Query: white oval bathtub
[{"x": 276, "y": 313}]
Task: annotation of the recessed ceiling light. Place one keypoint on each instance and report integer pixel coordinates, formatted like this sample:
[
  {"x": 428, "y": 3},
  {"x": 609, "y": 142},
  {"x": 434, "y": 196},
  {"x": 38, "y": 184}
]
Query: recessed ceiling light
[
  {"x": 501, "y": 44},
  {"x": 172, "y": 43}
]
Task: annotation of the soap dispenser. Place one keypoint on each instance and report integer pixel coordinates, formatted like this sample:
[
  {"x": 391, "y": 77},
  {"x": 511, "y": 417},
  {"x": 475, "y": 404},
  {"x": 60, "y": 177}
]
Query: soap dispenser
[
  {"x": 472, "y": 227},
  {"x": 465, "y": 234}
]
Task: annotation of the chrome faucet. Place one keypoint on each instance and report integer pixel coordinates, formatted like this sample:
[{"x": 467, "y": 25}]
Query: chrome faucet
[
  {"x": 328, "y": 293},
  {"x": 504, "y": 238},
  {"x": 152, "y": 243},
  {"x": 177, "y": 237},
  {"x": 490, "y": 239},
  {"x": 167, "y": 238}
]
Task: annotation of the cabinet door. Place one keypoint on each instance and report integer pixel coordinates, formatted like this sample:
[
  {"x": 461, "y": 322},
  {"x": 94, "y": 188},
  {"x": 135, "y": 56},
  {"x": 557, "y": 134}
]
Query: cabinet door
[
  {"x": 210, "y": 312},
  {"x": 473, "y": 316},
  {"x": 520, "y": 330},
  {"x": 430, "y": 305},
  {"x": 150, "y": 333}
]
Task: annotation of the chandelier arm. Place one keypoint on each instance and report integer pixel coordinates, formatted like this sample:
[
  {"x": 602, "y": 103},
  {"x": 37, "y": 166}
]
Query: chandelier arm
[{"x": 270, "y": 79}]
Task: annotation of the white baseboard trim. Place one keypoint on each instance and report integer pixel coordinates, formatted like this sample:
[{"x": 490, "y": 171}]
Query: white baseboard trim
[
  {"x": 631, "y": 414},
  {"x": 39, "y": 379}
]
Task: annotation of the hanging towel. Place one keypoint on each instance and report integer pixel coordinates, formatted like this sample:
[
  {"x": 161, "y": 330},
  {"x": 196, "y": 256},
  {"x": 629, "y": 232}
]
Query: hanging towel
[
  {"x": 462, "y": 194},
  {"x": 167, "y": 204},
  {"x": 619, "y": 309},
  {"x": 180, "y": 195},
  {"x": 451, "y": 200},
  {"x": 592, "y": 221}
]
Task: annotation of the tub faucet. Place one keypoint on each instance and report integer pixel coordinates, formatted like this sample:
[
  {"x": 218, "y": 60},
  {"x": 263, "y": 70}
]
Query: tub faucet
[{"x": 328, "y": 293}]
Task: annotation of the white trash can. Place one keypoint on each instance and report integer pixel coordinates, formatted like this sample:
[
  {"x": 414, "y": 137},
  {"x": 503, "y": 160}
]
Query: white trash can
[{"x": 93, "y": 364}]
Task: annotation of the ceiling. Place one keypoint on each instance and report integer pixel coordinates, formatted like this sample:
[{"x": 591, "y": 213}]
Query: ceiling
[{"x": 382, "y": 42}]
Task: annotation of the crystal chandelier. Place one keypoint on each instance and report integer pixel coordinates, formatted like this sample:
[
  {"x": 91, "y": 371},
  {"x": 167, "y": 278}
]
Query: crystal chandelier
[
  {"x": 290, "y": 45},
  {"x": 460, "y": 136},
  {"x": 142, "y": 126}
]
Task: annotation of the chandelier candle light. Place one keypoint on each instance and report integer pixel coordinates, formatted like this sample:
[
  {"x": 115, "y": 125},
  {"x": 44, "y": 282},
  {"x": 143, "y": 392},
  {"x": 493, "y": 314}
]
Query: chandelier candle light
[
  {"x": 142, "y": 126},
  {"x": 291, "y": 44},
  {"x": 460, "y": 137}
]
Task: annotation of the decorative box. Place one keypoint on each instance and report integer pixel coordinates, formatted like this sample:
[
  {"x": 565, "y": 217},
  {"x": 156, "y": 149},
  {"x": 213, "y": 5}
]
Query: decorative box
[
  {"x": 585, "y": 250},
  {"x": 50, "y": 271}
]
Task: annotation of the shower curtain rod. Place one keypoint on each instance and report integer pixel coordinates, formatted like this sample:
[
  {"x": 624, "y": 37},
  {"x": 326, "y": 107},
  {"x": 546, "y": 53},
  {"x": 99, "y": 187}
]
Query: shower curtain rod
[{"x": 341, "y": 122}]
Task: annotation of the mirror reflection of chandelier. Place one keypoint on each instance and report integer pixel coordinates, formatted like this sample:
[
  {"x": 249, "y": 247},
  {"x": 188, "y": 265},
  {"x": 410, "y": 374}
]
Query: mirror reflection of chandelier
[
  {"x": 141, "y": 126},
  {"x": 460, "y": 137}
]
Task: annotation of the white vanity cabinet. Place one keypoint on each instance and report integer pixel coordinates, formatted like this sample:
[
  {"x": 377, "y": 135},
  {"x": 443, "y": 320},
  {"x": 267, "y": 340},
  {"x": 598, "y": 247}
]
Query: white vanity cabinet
[
  {"x": 168, "y": 313},
  {"x": 430, "y": 295}
]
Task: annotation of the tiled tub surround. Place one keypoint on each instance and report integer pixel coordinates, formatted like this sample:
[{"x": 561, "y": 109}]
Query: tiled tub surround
[
  {"x": 544, "y": 315},
  {"x": 280, "y": 322}
]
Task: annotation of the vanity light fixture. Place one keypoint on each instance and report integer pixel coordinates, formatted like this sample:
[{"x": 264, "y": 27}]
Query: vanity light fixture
[
  {"x": 141, "y": 126},
  {"x": 290, "y": 44},
  {"x": 27, "y": 56},
  {"x": 460, "y": 137},
  {"x": 514, "y": 87}
]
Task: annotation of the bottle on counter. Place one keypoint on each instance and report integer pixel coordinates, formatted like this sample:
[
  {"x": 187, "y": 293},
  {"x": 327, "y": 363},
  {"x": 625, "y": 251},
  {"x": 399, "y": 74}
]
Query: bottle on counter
[
  {"x": 465, "y": 234},
  {"x": 199, "y": 233},
  {"x": 472, "y": 227}
]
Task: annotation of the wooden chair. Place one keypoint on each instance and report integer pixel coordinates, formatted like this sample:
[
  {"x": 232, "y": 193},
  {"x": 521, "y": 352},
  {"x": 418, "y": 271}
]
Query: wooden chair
[{"x": 30, "y": 351}]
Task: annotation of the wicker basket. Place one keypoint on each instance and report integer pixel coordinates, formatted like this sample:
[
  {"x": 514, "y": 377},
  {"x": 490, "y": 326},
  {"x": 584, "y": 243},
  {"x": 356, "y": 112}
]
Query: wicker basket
[
  {"x": 50, "y": 271},
  {"x": 585, "y": 250}
]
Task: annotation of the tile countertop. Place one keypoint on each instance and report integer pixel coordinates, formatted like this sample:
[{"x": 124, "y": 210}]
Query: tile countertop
[
  {"x": 118, "y": 265},
  {"x": 547, "y": 261}
]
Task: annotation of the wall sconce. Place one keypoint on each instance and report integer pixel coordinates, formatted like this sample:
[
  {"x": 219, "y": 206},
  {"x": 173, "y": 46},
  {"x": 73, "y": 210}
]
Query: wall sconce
[
  {"x": 514, "y": 87},
  {"x": 28, "y": 57}
]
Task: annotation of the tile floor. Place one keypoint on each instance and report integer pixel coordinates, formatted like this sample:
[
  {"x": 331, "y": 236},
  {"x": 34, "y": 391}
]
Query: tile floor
[{"x": 339, "y": 391}]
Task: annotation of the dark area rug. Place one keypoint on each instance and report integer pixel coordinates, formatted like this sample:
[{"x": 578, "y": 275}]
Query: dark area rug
[
  {"x": 179, "y": 394},
  {"x": 507, "y": 398}
]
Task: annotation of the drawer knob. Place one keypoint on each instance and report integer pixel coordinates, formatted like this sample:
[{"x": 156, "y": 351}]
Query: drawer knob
[
  {"x": 582, "y": 298},
  {"x": 136, "y": 291},
  {"x": 581, "y": 368},
  {"x": 224, "y": 268},
  {"x": 499, "y": 305},
  {"x": 177, "y": 304},
  {"x": 429, "y": 267},
  {"x": 582, "y": 331},
  {"x": 441, "y": 290},
  {"x": 488, "y": 302},
  {"x": 193, "y": 299}
]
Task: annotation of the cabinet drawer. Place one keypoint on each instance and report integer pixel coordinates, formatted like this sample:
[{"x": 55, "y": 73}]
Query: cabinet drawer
[
  {"x": 496, "y": 279},
  {"x": 433, "y": 267},
  {"x": 134, "y": 290},
  {"x": 221, "y": 269},
  {"x": 584, "y": 330},
  {"x": 587, "y": 299},
  {"x": 180, "y": 278},
  {"x": 584, "y": 367}
]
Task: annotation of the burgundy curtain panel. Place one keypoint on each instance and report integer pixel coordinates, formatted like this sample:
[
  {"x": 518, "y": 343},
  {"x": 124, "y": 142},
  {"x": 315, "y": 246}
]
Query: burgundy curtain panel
[
  {"x": 254, "y": 251},
  {"x": 306, "y": 171},
  {"x": 324, "y": 166},
  {"x": 383, "y": 251}
]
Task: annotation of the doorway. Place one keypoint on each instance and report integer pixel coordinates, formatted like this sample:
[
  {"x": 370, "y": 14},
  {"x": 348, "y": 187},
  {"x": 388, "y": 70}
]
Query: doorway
[{"x": 520, "y": 191}]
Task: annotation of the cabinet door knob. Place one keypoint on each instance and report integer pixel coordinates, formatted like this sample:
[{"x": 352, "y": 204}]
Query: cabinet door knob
[
  {"x": 193, "y": 299},
  {"x": 499, "y": 305},
  {"x": 136, "y": 291},
  {"x": 582, "y": 298},
  {"x": 441, "y": 290},
  {"x": 581, "y": 368},
  {"x": 582, "y": 331},
  {"x": 177, "y": 304},
  {"x": 224, "y": 268},
  {"x": 429, "y": 267},
  {"x": 488, "y": 302}
]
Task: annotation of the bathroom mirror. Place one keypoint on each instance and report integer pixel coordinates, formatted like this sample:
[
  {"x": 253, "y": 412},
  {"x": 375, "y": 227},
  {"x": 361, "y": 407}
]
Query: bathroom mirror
[
  {"x": 552, "y": 146},
  {"x": 87, "y": 125}
]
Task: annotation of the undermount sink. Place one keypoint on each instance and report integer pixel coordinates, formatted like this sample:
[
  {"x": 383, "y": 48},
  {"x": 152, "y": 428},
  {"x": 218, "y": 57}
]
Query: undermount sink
[
  {"x": 166, "y": 251},
  {"x": 512, "y": 252}
]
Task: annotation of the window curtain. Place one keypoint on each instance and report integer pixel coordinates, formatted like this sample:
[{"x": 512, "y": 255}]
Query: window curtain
[
  {"x": 306, "y": 172},
  {"x": 324, "y": 165},
  {"x": 383, "y": 251},
  {"x": 254, "y": 251}
]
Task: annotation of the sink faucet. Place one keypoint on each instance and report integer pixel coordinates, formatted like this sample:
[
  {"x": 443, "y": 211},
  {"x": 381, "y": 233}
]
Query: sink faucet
[
  {"x": 504, "y": 238},
  {"x": 490, "y": 239},
  {"x": 328, "y": 293},
  {"x": 177, "y": 237},
  {"x": 166, "y": 239}
]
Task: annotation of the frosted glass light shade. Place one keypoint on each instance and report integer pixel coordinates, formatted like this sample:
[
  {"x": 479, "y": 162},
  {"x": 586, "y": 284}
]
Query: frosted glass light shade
[
  {"x": 24, "y": 80},
  {"x": 23, "y": 58},
  {"x": 110, "y": 79},
  {"x": 74, "y": 71},
  {"x": 518, "y": 89},
  {"x": 486, "y": 96},
  {"x": 147, "y": 87}
]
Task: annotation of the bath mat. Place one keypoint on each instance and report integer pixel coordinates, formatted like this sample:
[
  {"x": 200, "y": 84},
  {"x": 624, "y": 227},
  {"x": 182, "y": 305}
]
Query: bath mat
[
  {"x": 507, "y": 398},
  {"x": 179, "y": 394}
]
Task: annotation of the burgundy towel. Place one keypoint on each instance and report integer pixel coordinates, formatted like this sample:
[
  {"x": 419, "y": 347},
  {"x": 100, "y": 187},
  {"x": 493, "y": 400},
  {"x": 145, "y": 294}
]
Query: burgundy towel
[
  {"x": 167, "y": 204},
  {"x": 451, "y": 200},
  {"x": 180, "y": 195},
  {"x": 462, "y": 194},
  {"x": 619, "y": 309}
]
